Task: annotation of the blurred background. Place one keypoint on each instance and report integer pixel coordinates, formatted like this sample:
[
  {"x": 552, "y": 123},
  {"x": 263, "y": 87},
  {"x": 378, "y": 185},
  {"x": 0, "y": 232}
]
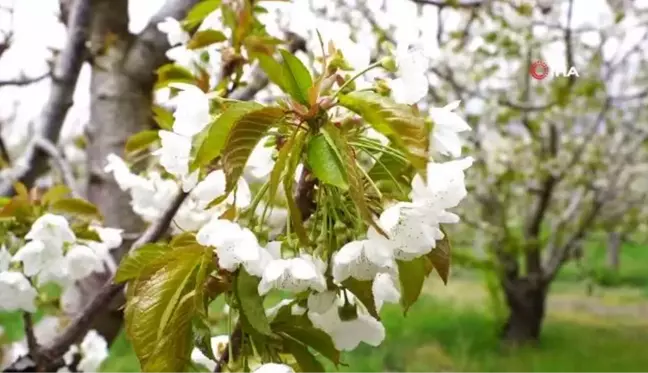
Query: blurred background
[{"x": 550, "y": 264}]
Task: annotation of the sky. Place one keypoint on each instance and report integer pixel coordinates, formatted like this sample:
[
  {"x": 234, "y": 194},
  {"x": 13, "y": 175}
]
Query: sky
[{"x": 37, "y": 31}]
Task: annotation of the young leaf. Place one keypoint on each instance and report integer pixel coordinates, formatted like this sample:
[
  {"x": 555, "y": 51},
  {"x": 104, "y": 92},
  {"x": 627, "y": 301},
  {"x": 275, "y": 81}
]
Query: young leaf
[
  {"x": 289, "y": 182},
  {"x": 141, "y": 140},
  {"x": 76, "y": 206},
  {"x": 354, "y": 175},
  {"x": 251, "y": 302},
  {"x": 133, "y": 264},
  {"x": 411, "y": 275},
  {"x": 315, "y": 338},
  {"x": 440, "y": 258},
  {"x": 296, "y": 77},
  {"x": 160, "y": 307},
  {"x": 171, "y": 73},
  {"x": 278, "y": 169},
  {"x": 55, "y": 193},
  {"x": 243, "y": 137},
  {"x": 218, "y": 131},
  {"x": 163, "y": 118},
  {"x": 396, "y": 121},
  {"x": 206, "y": 38},
  {"x": 363, "y": 291},
  {"x": 326, "y": 163},
  {"x": 306, "y": 360},
  {"x": 273, "y": 70},
  {"x": 200, "y": 11}
]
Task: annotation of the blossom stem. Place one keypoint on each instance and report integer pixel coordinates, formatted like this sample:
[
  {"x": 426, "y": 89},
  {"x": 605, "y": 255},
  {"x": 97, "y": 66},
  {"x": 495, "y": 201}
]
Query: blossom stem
[{"x": 356, "y": 76}]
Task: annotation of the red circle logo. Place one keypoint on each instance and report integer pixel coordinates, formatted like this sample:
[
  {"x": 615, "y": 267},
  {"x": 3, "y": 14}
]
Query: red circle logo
[{"x": 539, "y": 70}]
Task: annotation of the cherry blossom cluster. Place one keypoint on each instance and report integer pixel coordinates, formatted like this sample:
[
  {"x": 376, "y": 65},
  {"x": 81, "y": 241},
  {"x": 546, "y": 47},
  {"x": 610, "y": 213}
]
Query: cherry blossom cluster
[{"x": 51, "y": 253}]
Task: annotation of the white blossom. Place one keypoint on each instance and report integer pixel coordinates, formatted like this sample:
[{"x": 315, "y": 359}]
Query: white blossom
[
  {"x": 81, "y": 261},
  {"x": 293, "y": 274},
  {"x": 174, "y": 31},
  {"x": 446, "y": 184},
  {"x": 260, "y": 163},
  {"x": 122, "y": 174},
  {"x": 16, "y": 293},
  {"x": 347, "y": 334},
  {"x": 52, "y": 230},
  {"x": 274, "y": 368},
  {"x": 174, "y": 153},
  {"x": 218, "y": 344},
  {"x": 447, "y": 125},
  {"x": 411, "y": 230},
  {"x": 94, "y": 350},
  {"x": 192, "y": 110},
  {"x": 234, "y": 244},
  {"x": 213, "y": 186},
  {"x": 111, "y": 237},
  {"x": 362, "y": 260},
  {"x": 5, "y": 258},
  {"x": 384, "y": 290},
  {"x": 36, "y": 256},
  {"x": 411, "y": 85}
]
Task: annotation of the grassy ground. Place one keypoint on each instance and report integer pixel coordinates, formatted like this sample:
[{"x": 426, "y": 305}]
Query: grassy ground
[{"x": 452, "y": 329}]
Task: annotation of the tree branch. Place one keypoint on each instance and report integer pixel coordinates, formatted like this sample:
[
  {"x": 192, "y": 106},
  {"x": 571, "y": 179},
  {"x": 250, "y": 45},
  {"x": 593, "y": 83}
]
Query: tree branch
[
  {"x": 22, "y": 81},
  {"x": 64, "y": 79},
  {"x": 32, "y": 343},
  {"x": 63, "y": 166}
]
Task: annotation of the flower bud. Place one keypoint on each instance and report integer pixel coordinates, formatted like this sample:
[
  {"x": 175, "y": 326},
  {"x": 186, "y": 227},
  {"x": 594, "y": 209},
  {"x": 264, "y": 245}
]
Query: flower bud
[
  {"x": 339, "y": 62},
  {"x": 389, "y": 64},
  {"x": 348, "y": 312},
  {"x": 382, "y": 88}
]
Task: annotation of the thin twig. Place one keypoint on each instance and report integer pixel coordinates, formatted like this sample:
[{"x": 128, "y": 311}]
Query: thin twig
[
  {"x": 22, "y": 81},
  {"x": 64, "y": 167},
  {"x": 32, "y": 343}
]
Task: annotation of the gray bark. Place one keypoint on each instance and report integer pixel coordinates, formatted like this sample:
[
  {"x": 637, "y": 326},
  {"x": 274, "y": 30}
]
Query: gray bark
[{"x": 123, "y": 75}]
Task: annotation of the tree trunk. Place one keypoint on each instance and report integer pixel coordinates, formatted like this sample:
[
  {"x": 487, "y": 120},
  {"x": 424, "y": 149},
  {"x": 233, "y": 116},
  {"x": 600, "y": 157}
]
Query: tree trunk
[
  {"x": 614, "y": 250},
  {"x": 526, "y": 302}
]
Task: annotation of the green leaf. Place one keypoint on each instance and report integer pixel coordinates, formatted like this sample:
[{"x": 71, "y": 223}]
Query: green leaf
[
  {"x": 141, "y": 140},
  {"x": 218, "y": 131},
  {"x": 273, "y": 70},
  {"x": 315, "y": 338},
  {"x": 200, "y": 11},
  {"x": 411, "y": 275},
  {"x": 278, "y": 168},
  {"x": 134, "y": 263},
  {"x": 326, "y": 163},
  {"x": 183, "y": 239},
  {"x": 251, "y": 302},
  {"x": 171, "y": 73},
  {"x": 289, "y": 182},
  {"x": 163, "y": 118},
  {"x": 306, "y": 360},
  {"x": 243, "y": 137},
  {"x": 397, "y": 121},
  {"x": 205, "y": 38},
  {"x": 202, "y": 336},
  {"x": 55, "y": 193},
  {"x": 76, "y": 206},
  {"x": 362, "y": 290},
  {"x": 296, "y": 77},
  {"x": 354, "y": 175},
  {"x": 160, "y": 308},
  {"x": 440, "y": 256}
]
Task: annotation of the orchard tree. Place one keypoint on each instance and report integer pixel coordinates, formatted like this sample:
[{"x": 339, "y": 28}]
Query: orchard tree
[{"x": 321, "y": 198}]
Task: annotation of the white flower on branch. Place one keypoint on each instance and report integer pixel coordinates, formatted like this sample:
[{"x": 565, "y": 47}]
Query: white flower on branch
[
  {"x": 16, "y": 293},
  {"x": 234, "y": 244},
  {"x": 447, "y": 125},
  {"x": 174, "y": 31},
  {"x": 260, "y": 163},
  {"x": 274, "y": 368},
  {"x": 347, "y": 334},
  {"x": 174, "y": 153},
  {"x": 192, "y": 110},
  {"x": 53, "y": 230},
  {"x": 81, "y": 261},
  {"x": 218, "y": 344},
  {"x": 5, "y": 258},
  {"x": 293, "y": 274},
  {"x": 446, "y": 184},
  {"x": 36, "y": 256},
  {"x": 362, "y": 260},
  {"x": 94, "y": 350},
  {"x": 411, "y": 85},
  {"x": 384, "y": 290}
]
